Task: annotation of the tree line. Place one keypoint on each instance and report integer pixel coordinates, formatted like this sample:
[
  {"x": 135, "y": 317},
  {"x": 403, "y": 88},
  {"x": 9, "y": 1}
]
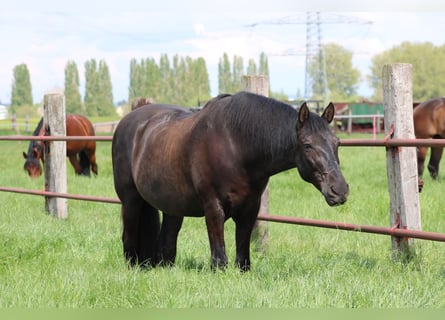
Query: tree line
[
  {"x": 185, "y": 81},
  {"x": 179, "y": 80}
]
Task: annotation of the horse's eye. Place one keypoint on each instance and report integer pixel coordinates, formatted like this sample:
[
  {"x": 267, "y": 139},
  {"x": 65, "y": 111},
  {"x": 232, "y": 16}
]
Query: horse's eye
[{"x": 307, "y": 146}]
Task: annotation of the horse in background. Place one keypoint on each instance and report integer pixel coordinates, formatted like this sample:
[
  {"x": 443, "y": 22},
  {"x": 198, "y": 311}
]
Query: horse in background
[
  {"x": 139, "y": 102},
  {"x": 214, "y": 163},
  {"x": 429, "y": 123},
  {"x": 80, "y": 153}
]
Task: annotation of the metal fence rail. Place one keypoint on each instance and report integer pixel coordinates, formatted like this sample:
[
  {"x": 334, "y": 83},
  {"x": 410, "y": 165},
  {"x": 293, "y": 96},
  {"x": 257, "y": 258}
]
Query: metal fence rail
[
  {"x": 343, "y": 142},
  {"x": 389, "y": 143}
]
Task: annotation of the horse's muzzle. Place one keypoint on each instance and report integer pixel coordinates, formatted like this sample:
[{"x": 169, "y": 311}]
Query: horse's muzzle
[{"x": 336, "y": 190}]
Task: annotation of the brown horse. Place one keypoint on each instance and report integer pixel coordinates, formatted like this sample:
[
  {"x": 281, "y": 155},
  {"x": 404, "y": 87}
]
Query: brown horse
[
  {"x": 429, "y": 122},
  {"x": 214, "y": 163},
  {"x": 76, "y": 125}
]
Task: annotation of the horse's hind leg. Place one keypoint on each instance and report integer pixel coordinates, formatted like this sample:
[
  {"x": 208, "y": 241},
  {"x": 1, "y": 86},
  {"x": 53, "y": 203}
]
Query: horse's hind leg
[
  {"x": 91, "y": 153},
  {"x": 168, "y": 238},
  {"x": 433, "y": 165},
  {"x": 84, "y": 163},
  {"x": 140, "y": 231},
  {"x": 75, "y": 163}
]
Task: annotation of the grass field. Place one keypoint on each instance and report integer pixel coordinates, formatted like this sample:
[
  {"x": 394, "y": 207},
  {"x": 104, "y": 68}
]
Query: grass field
[{"x": 78, "y": 262}]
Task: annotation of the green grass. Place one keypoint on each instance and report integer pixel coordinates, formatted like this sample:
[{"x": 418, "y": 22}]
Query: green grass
[{"x": 78, "y": 262}]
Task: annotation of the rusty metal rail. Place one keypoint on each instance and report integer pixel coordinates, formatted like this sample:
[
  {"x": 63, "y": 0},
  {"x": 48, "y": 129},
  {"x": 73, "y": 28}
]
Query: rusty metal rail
[
  {"x": 343, "y": 142},
  {"x": 392, "y": 142},
  {"x": 394, "y": 231},
  {"x": 56, "y": 138},
  {"x": 60, "y": 195}
]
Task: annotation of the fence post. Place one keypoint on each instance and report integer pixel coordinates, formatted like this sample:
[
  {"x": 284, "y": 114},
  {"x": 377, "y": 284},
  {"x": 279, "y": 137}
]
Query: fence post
[
  {"x": 401, "y": 161},
  {"x": 259, "y": 85},
  {"x": 55, "y": 153}
]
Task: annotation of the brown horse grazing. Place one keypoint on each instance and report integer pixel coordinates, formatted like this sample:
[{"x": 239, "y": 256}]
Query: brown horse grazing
[
  {"x": 214, "y": 163},
  {"x": 76, "y": 125},
  {"x": 429, "y": 122}
]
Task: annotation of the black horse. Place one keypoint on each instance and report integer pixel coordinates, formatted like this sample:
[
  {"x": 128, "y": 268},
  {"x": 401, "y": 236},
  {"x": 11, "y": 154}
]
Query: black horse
[{"x": 214, "y": 163}]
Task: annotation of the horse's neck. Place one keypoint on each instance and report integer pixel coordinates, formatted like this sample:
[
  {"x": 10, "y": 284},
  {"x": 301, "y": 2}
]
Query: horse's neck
[{"x": 275, "y": 150}]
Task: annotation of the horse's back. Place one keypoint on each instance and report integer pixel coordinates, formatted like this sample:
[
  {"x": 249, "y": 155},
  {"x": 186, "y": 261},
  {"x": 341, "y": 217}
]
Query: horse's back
[
  {"x": 429, "y": 118},
  {"x": 78, "y": 125},
  {"x": 140, "y": 143}
]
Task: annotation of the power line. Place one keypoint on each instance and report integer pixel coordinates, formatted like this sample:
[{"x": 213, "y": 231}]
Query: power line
[{"x": 314, "y": 43}]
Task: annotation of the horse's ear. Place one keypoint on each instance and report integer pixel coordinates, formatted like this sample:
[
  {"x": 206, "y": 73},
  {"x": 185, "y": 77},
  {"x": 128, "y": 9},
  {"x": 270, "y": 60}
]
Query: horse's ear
[
  {"x": 329, "y": 112},
  {"x": 25, "y": 155},
  {"x": 303, "y": 113}
]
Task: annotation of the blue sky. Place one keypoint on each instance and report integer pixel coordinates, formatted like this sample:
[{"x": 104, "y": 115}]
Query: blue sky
[{"x": 45, "y": 34}]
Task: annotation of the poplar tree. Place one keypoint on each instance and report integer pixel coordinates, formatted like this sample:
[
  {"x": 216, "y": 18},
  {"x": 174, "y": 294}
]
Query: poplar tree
[
  {"x": 225, "y": 75},
  {"x": 251, "y": 68},
  {"x": 21, "y": 93},
  {"x": 105, "y": 105},
  {"x": 237, "y": 74},
  {"x": 98, "y": 89},
  {"x": 73, "y": 99},
  {"x": 91, "y": 88},
  {"x": 184, "y": 82}
]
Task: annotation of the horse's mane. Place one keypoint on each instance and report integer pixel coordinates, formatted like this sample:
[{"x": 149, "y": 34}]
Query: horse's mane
[
  {"x": 34, "y": 143},
  {"x": 38, "y": 128},
  {"x": 262, "y": 122},
  {"x": 257, "y": 120}
]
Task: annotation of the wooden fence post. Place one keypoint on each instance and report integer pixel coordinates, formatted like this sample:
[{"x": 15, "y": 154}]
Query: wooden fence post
[
  {"x": 259, "y": 85},
  {"x": 401, "y": 161},
  {"x": 55, "y": 153}
]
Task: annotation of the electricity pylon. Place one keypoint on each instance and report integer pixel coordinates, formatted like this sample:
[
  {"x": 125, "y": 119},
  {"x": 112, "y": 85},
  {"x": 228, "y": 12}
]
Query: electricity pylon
[{"x": 314, "y": 44}]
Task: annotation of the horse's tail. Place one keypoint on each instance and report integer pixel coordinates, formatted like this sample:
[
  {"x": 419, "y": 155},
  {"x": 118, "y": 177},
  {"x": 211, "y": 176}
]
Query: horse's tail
[{"x": 84, "y": 163}]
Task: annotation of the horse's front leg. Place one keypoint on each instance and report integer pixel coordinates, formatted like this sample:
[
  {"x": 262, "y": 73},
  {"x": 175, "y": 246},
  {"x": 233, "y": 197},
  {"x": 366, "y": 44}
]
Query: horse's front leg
[
  {"x": 75, "y": 163},
  {"x": 433, "y": 165},
  {"x": 245, "y": 220},
  {"x": 168, "y": 238},
  {"x": 214, "y": 217}
]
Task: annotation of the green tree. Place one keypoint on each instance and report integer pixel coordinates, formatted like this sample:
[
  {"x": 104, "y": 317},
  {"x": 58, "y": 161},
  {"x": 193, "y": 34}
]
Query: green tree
[
  {"x": 202, "y": 92},
  {"x": 73, "y": 99},
  {"x": 105, "y": 106},
  {"x": 98, "y": 89},
  {"x": 428, "y": 69},
  {"x": 264, "y": 65},
  {"x": 166, "y": 81},
  {"x": 184, "y": 82},
  {"x": 264, "y": 70},
  {"x": 224, "y": 75},
  {"x": 21, "y": 93},
  {"x": 237, "y": 74},
  {"x": 91, "y": 88},
  {"x": 135, "y": 89},
  {"x": 342, "y": 78},
  {"x": 152, "y": 78},
  {"x": 251, "y": 68},
  {"x": 230, "y": 78}
]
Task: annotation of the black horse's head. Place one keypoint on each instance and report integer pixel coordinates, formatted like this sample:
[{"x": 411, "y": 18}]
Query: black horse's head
[
  {"x": 318, "y": 161},
  {"x": 32, "y": 163}
]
